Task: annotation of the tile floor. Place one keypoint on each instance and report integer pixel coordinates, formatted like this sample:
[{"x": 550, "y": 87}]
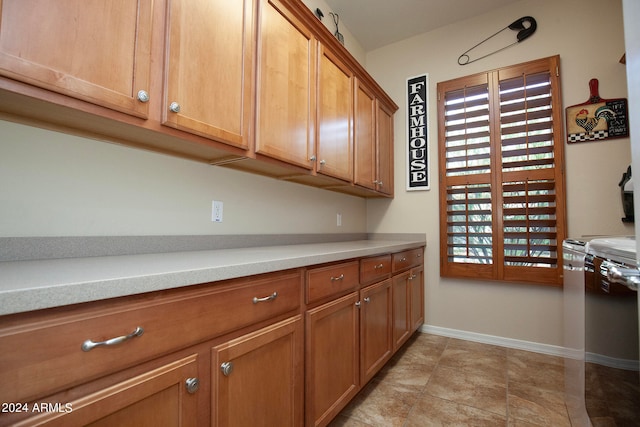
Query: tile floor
[
  {"x": 440, "y": 381},
  {"x": 612, "y": 396}
]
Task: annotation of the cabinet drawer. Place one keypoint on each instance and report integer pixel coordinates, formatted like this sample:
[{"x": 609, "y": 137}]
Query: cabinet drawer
[
  {"x": 332, "y": 280},
  {"x": 407, "y": 259},
  {"x": 51, "y": 358},
  {"x": 375, "y": 269}
]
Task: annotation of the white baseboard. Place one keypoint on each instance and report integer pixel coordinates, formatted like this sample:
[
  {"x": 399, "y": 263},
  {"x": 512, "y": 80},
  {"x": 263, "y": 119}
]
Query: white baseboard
[
  {"x": 553, "y": 350},
  {"x": 612, "y": 362},
  {"x": 535, "y": 347}
]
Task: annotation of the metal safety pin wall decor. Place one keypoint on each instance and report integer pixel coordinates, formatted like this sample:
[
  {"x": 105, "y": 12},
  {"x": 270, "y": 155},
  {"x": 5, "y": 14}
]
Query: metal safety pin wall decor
[{"x": 524, "y": 31}]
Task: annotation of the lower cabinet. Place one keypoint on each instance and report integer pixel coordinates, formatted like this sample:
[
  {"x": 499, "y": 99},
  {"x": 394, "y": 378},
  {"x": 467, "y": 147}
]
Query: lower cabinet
[
  {"x": 401, "y": 292},
  {"x": 349, "y": 338},
  {"x": 332, "y": 375},
  {"x": 376, "y": 344},
  {"x": 417, "y": 297},
  {"x": 257, "y": 379},
  {"x": 408, "y": 304},
  {"x": 163, "y": 394},
  {"x": 243, "y": 352}
]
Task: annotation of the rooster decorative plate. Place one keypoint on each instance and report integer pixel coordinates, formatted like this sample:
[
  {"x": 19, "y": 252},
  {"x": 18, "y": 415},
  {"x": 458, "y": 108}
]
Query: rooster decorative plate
[{"x": 598, "y": 118}]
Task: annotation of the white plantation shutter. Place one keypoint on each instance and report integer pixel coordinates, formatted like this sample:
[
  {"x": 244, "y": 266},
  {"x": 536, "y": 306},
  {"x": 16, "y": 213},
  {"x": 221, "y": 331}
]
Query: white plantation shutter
[{"x": 501, "y": 174}]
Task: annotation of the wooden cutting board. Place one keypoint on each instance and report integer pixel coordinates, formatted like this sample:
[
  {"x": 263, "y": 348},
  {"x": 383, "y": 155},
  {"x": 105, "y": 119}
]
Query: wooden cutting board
[{"x": 597, "y": 119}]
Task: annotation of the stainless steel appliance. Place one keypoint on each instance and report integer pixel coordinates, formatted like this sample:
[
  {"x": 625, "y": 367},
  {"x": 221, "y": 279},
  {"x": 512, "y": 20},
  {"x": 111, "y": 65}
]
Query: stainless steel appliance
[{"x": 601, "y": 331}]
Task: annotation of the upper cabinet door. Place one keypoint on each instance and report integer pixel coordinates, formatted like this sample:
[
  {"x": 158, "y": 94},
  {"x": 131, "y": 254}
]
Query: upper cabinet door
[
  {"x": 209, "y": 70},
  {"x": 94, "y": 50},
  {"x": 365, "y": 138},
  {"x": 335, "y": 117},
  {"x": 384, "y": 126},
  {"x": 286, "y": 86}
]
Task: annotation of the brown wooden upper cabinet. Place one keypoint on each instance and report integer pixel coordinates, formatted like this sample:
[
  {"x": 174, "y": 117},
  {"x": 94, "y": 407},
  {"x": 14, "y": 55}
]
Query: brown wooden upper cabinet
[
  {"x": 373, "y": 148},
  {"x": 97, "y": 51},
  {"x": 335, "y": 117},
  {"x": 384, "y": 148},
  {"x": 259, "y": 85},
  {"x": 365, "y": 137},
  {"x": 285, "y": 86},
  {"x": 209, "y": 69}
]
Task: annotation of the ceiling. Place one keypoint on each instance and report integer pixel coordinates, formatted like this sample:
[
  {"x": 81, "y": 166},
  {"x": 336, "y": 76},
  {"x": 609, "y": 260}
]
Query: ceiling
[{"x": 376, "y": 23}]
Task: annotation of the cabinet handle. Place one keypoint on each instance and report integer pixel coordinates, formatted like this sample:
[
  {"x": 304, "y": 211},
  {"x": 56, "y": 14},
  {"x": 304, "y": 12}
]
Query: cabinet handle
[
  {"x": 335, "y": 279},
  {"x": 413, "y": 276},
  {"x": 88, "y": 345},
  {"x": 367, "y": 300},
  {"x": 265, "y": 299},
  {"x": 174, "y": 107},
  {"x": 323, "y": 162},
  {"x": 358, "y": 304},
  {"x": 226, "y": 368},
  {"x": 376, "y": 267},
  {"x": 313, "y": 158},
  {"x": 143, "y": 96},
  {"x": 192, "y": 385},
  {"x": 403, "y": 259}
]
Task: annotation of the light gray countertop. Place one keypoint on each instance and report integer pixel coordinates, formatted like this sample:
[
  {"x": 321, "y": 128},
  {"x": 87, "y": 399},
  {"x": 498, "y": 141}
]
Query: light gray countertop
[{"x": 37, "y": 284}]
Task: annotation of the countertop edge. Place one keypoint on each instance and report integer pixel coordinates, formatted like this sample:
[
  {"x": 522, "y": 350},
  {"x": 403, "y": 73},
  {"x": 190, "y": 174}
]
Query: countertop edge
[{"x": 40, "y": 284}]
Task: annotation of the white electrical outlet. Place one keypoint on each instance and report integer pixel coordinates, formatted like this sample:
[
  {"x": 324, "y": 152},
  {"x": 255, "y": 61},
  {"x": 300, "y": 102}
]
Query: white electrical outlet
[
  {"x": 339, "y": 219},
  {"x": 216, "y": 211}
]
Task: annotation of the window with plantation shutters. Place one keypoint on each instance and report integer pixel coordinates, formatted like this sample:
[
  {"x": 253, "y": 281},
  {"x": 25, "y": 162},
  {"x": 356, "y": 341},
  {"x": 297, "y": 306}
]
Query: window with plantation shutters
[{"x": 502, "y": 207}]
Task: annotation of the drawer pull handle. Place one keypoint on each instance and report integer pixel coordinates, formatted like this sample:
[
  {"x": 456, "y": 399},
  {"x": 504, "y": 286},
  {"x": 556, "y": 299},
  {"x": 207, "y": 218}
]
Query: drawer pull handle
[
  {"x": 376, "y": 267},
  {"x": 89, "y": 345},
  {"x": 265, "y": 299},
  {"x": 403, "y": 259},
  {"x": 335, "y": 279}
]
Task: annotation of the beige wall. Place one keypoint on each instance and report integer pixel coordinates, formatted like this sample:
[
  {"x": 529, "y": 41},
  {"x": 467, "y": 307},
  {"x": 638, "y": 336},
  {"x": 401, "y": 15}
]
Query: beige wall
[
  {"x": 53, "y": 184},
  {"x": 588, "y": 36}
]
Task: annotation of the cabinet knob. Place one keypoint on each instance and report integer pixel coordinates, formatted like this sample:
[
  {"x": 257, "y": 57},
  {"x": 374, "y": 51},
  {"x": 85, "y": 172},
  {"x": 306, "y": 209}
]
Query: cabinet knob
[
  {"x": 313, "y": 158},
  {"x": 323, "y": 162},
  {"x": 358, "y": 304},
  {"x": 226, "y": 368},
  {"x": 192, "y": 385},
  {"x": 367, "y": 300},
  {"x": 174, "y": 107},
  {"x": 143, "y": 96}
]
